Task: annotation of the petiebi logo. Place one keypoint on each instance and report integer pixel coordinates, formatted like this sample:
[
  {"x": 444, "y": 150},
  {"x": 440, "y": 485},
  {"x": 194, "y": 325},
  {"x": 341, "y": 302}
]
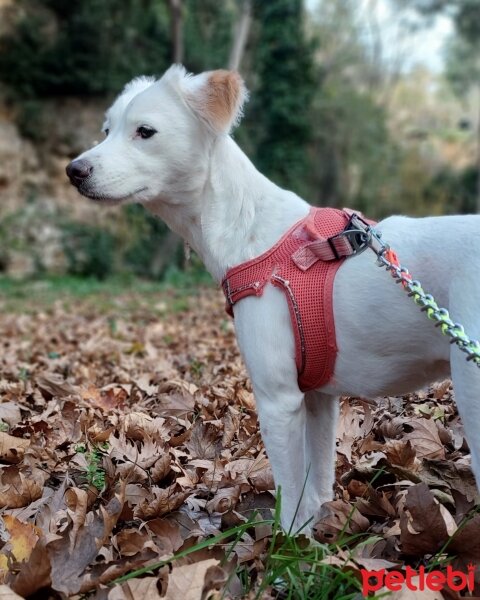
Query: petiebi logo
[{"x": 420, "y": 580}]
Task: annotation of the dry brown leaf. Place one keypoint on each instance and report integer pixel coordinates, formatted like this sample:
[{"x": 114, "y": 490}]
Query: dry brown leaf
[
  {"x": 424, "y": 525},
  {"x": 399, "y": 452},
  {"x": 20, "y": 486},
  {"x": 10, "y": 413},
  {"x": 340, "y": 517},
  {"x": 187, "y": 582},
  {"x": 425, "y": 439},
  {"x": 160, "y": 502},
  {"x": 348, "y": 429},
  {"x": 106, "y": 401},
  {"x": 130, "y": 541},
  {"x": 55, "y": 385},
  {"x": 375, "y": 503},
  {"x": 225, "y": 499},
  {"x": 441, "y": 388},
  {"x": 161, "y": 468},
  {"x": 368, "y": 554},
  {"x": 140, "y": 425},
  {"x": 391, "y": 428},
  {"x": 133, "y": 589},
  {"x": 466, "y": 541},
  {"x": 12, "y": 449},
  {"x": 176, "y": 404},
  {"x": 215, "y": 579},
  {"x": 254, "y": 471},
  {"x": 77, "y": 504},
  {"x": 231, "y": 423},
  {"x": 166, "y": 535},
  {"x": 132, "y": 459},
  {"x": 21, "y": 540},
  {"x": 204, "y": 440},
  {"x": 68, "y": 564},
  {"x": 459, "y": 477},
  {"x": 34, "y": 575}
]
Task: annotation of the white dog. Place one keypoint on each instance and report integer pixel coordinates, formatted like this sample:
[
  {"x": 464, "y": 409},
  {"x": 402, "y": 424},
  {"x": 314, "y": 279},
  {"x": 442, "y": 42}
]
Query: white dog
[{"x": 168, "y": 147}]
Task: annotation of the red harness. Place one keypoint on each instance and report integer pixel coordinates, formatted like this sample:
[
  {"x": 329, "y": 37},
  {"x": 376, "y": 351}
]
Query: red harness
[{"x": 303, "y": 263}]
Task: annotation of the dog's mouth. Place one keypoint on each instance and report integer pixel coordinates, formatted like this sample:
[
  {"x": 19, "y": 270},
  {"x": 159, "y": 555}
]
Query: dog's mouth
[{"x": 107, "y": 199}]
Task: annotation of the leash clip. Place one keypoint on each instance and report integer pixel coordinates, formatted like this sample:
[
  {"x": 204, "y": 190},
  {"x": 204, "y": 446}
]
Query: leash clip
[
  {"x": 359, "y": 234},
  {"x": 362, "y": 235}
]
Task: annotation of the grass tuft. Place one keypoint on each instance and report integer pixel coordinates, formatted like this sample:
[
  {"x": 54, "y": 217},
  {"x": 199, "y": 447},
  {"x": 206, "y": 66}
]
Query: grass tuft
[{"x": 296, "y": 567}]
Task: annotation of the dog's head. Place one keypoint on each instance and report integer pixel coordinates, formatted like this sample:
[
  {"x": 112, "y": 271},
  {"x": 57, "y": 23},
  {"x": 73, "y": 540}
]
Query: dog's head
[{"x": 158, "y": 136}]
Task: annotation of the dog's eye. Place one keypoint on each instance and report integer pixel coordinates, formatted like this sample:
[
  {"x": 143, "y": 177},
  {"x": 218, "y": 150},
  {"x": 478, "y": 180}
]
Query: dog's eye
[
  {"x": 146, "y": 132},
  {"x": 106, "y": 132}
]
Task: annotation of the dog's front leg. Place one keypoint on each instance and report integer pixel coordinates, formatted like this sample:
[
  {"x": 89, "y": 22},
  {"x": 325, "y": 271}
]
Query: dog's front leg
[
  {"x": 266, "y": 340},
  {"x": 322, "y": 419},
  {"x": 282, "y": 425}
]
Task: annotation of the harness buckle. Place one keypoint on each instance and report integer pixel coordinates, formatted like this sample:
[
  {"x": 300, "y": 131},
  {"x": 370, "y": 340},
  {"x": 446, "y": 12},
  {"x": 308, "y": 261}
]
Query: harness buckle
[{"x": 361, "y": 235}]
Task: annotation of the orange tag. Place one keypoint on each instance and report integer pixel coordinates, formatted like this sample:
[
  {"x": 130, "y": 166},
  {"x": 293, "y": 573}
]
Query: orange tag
[{"x": 392, "y": 257}]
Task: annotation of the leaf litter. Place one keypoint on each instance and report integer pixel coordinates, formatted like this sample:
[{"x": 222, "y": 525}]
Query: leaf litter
[{"x": 128, "y": 434}]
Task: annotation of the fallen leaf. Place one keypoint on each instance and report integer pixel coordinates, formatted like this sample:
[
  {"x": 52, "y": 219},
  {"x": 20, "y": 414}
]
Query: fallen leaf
[
  {"x": 21, "y": 540},
  {"x": 465, "y": 542},
  {"x": 424, "y": 438},
  {"x": 34, "y": 575},
  {"x": 340, "y": 517},
  {"x": 204, "y": 442},
  {"x": 55, "y": 385},
  {"x": 130, "y": 541},
  {"x": 424, "y": 526},
  {"x": 145, "y": 588},
  {"x": 399, "y": 452},
  {"x": 139, "y": 425},
  {"x": 10, "y": 413},
  {"x": 161, "y": 468},
  {"x": 68, "y": 563},
  {"x": 225, "y": 499},
  {"x": 166, "y": 534},
  {"x": 187, "y": 582},
  {"x": 161, "y": 501},
  {"x": 19, "y": 486},
  {"x": 12, "y": 448}
]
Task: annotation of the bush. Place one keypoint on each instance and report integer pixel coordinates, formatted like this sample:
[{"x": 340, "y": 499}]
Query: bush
[
  {"x": 89, "y": 250},
  {"x": 143, "y": 254},
  {"x": 458, "y": 191}
]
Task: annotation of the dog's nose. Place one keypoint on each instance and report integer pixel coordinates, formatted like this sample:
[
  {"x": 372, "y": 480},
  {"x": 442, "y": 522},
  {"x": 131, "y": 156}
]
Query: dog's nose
[{"x": 78, "y": 171}]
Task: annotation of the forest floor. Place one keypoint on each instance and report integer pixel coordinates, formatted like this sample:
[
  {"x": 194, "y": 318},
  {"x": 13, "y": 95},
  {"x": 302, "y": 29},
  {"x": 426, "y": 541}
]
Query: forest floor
[{"x": 128, "y": 436}]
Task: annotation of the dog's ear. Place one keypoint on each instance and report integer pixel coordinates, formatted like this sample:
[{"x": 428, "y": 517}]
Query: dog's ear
[{"x": 217, "y": 97}]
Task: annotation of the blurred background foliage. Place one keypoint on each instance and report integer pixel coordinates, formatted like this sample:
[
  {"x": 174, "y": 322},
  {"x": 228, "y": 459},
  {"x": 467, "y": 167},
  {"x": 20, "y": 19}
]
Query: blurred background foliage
[{"x": 339, "y": 112}]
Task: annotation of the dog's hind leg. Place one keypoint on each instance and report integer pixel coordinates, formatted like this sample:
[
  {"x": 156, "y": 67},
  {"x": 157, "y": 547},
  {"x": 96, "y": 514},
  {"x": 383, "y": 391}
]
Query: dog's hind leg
[
  {"x": 320, "y": 448},
  {"x": 464, "y": 301}
]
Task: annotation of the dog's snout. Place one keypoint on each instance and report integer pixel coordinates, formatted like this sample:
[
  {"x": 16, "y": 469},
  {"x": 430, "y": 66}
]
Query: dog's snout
[{"x": 78, "y": 171}]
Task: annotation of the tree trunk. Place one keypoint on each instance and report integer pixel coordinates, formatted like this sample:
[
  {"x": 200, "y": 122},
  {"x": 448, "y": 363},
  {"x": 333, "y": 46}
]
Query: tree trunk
[
  {"x": 176, "y": 25},
  {"x": 242, "y": 29}
]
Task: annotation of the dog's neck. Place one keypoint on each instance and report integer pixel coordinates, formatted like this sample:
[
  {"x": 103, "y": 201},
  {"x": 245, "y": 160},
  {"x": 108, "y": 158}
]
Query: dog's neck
[{"x": 233, "y": 214}]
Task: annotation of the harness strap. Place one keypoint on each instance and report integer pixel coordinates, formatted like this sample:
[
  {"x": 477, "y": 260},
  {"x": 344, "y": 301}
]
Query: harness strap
[
  {"x": 325, "y": 249},
  {"x": 342, "y": 245}
]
